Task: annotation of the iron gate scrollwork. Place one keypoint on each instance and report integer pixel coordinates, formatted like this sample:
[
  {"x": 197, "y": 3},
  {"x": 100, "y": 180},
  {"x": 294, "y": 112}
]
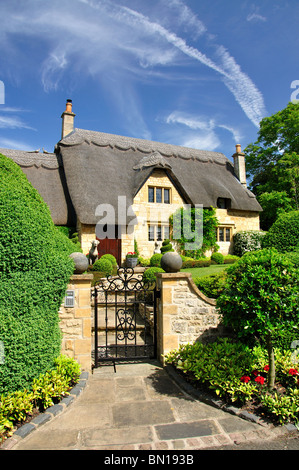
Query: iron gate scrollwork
[{"x": 124, "y": 318}]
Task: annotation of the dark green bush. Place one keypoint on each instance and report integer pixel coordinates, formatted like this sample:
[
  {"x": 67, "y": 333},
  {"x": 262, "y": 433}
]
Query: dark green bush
[
  {"x": 34, "y": 271},
  {"x": 103, "y": 265},
  {"x": 245, "y": 241},
  {"x": 155, "y": 260},
  {"x": 149, "y": 274},
  {"x": 218, "y": 258},
  {"x": 213, "y": 285},
  {"x": 166, "y": 246},
  {"x": 284, "y": 233},
  {"x": 262, "y": 294},
  {"x": 111, "y": 258},
  {"x": 196, "y": 263}
]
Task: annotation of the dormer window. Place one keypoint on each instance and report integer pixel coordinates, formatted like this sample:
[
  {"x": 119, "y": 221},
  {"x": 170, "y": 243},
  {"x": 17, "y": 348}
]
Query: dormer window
[
  {"x": 159, "y": 195},
  {"x": 223, "y": 203}
]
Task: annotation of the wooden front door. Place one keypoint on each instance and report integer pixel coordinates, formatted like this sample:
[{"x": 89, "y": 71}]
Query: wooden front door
[{"x": 111, "y": 246}]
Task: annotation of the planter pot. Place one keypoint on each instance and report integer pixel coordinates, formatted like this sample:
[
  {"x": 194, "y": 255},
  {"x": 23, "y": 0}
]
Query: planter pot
[{"x": 131, "y": 262}]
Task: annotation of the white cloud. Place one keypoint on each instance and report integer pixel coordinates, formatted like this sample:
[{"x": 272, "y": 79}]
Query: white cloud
[
  {"x": 201, "y": 132},
  {"x": 117, "y": 46},
  {"x": 256, "y": 17},
  {"x": 13, "y": 123}
]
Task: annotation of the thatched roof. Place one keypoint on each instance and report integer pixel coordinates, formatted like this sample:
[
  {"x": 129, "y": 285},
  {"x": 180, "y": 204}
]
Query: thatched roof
[
  {"x": 45, "y": 172},
  {"x": 100, "y": 167}
]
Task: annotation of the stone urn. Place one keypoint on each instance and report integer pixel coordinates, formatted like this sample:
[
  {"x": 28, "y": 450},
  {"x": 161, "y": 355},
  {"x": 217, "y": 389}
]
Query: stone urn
[
  {"x": 81, "y": 262},
  {"x": 171, "y": 262},
  {"x": 131, "y": 262}
]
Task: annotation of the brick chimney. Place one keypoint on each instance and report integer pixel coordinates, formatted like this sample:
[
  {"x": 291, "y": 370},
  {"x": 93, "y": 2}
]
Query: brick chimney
[
  {"x": 239, "y": 165},
  {"x": 68, "y": 118}
]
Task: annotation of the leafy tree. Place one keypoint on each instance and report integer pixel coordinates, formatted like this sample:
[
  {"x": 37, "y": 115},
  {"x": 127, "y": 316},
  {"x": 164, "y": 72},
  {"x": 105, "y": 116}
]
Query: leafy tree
[
  {"x": 260, "y": 301},
  {"x": 273, "y": 162}
]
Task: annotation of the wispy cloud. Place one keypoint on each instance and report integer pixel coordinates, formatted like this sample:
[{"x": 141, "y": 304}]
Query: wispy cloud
[
  {"x": 199, "y": 131},
  {"x": 118, "y": 45}
]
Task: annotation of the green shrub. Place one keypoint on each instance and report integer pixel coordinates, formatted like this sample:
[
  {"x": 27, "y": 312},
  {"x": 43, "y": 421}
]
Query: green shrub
[
  {"x": 149, "y": 275},
  {"x": 293, "y": 256},
  {"x": 111, "y": 258},
  {"x": 196, "y": 263},
  {"x": 284, "y": 233},
  {"x": 230, "y": 259},
  {"x": 213, "y": 285},
  {"x": 262, "y": 294},
  {"x": 143, "y": 261},
  {"x": 218, "y": 258},
  {"x": 103, "y": 265},
  {"x": 35, "y": 269},
  {"x": 245, "y": 241},
  {"x": 45, "y": 390},
  {"x": 166, "y": 246},
  {"x": 238, "y": 374},
  {"x": 155, "y": 260}
]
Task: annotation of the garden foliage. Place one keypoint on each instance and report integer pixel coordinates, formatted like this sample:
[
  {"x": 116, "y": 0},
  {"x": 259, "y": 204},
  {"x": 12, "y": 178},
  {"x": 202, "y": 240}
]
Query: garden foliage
[
  {"x": 35, "y": 268},
  {"x": 247, "y": 240},
  {"x": 262, "y": 297},
  {"x": 284, "y": 233},
  {"x": 238, "y": 374}
]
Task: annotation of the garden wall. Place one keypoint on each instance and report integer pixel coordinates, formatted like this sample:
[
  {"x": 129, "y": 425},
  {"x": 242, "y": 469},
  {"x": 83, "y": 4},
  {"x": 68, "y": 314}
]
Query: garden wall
[{"x": 184, "y": 313}]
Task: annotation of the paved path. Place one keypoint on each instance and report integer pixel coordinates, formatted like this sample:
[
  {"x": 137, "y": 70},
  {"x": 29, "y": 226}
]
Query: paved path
[{"x": 137, "y": 408}]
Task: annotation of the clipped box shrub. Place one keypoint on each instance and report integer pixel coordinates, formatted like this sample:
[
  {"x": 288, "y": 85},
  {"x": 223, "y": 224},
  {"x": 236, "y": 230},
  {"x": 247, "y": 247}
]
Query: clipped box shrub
[
  {"x": 247, "y": 240},
  {"x": 155, "y": 260},
  {"x": 149, "y": 275},
  {"x": 35, "y": 268},
  {"x": 218, "y": 258},
  {"x": 111, "y": 258},
  {"x": 284, "y": 233},
  {"x": 213, "y": 285},
  {"x": 103, "y": 265}
]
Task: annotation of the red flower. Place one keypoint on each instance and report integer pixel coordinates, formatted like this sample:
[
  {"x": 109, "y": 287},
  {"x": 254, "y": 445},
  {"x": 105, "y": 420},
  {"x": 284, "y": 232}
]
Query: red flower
[
  {"x": 293, "y": 372},
  {"x": 245, "y": 379},
  {"x": 255, "y": 373},
  {"x": 266, "y": 368},
  {"x": 260, "y": 380}
]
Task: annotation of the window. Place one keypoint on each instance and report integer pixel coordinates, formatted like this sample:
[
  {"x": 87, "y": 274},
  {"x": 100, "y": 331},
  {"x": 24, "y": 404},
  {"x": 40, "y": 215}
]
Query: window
[
  {"x": 224, "y": 234},
  {"x": 223, "y": 203},
  {"x": 158, "y": 232},
  {"x": 158, "y": 195}
]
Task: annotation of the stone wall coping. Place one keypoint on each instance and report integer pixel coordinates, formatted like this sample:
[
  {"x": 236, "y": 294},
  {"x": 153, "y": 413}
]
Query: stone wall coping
[
  {"x": 192, "y": 285},
  {"x": 82, "y": 277}
]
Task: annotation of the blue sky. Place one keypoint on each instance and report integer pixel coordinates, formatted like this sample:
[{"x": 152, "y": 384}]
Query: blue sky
[{"x": 196, "y": 73}]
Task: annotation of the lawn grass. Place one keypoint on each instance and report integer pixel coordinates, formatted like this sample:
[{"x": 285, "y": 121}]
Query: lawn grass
[{"x": 199, "y": 272}]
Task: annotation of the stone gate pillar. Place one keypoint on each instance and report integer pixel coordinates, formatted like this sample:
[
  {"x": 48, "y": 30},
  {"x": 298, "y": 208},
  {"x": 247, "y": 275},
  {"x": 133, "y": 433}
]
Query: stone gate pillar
[{"x": 75, "y": 320}]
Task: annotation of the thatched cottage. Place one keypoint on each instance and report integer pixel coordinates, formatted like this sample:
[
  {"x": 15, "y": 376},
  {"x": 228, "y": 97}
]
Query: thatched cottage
[{"x": 118, "y": 189}]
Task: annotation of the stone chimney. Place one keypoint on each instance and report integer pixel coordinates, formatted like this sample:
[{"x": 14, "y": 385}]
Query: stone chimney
[
  {"x": 67, "y": 119},
  {"x": 239, "y": 165}
]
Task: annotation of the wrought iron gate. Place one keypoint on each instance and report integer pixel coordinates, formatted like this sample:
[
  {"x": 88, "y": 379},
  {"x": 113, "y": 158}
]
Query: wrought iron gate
[{"x": 124, "y": 318}]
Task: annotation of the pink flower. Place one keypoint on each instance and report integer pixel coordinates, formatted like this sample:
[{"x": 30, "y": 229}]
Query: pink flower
[
  {"x": 245, "y": 379},
  {"x": 260, "y": 380}
]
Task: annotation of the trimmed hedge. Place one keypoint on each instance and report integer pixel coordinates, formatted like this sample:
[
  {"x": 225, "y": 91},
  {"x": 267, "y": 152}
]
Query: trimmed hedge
[
  {"x": 35, "y": 268},
  {"x": 284, "y": 233}
]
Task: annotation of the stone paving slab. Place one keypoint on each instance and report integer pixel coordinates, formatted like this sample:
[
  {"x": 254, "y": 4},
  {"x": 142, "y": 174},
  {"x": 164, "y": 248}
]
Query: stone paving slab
[{"x": 138, "y": 407}]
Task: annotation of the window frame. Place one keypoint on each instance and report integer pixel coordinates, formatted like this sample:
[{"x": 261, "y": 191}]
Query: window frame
[
  {"x": 156, "y": 228},
  {"x": 224, "y": 228},
  {"x": 154, "y": 189}
]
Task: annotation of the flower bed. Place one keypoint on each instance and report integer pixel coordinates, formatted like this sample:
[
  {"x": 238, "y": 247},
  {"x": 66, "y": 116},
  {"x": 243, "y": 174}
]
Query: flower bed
[{"x": 238, "y": 374}]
